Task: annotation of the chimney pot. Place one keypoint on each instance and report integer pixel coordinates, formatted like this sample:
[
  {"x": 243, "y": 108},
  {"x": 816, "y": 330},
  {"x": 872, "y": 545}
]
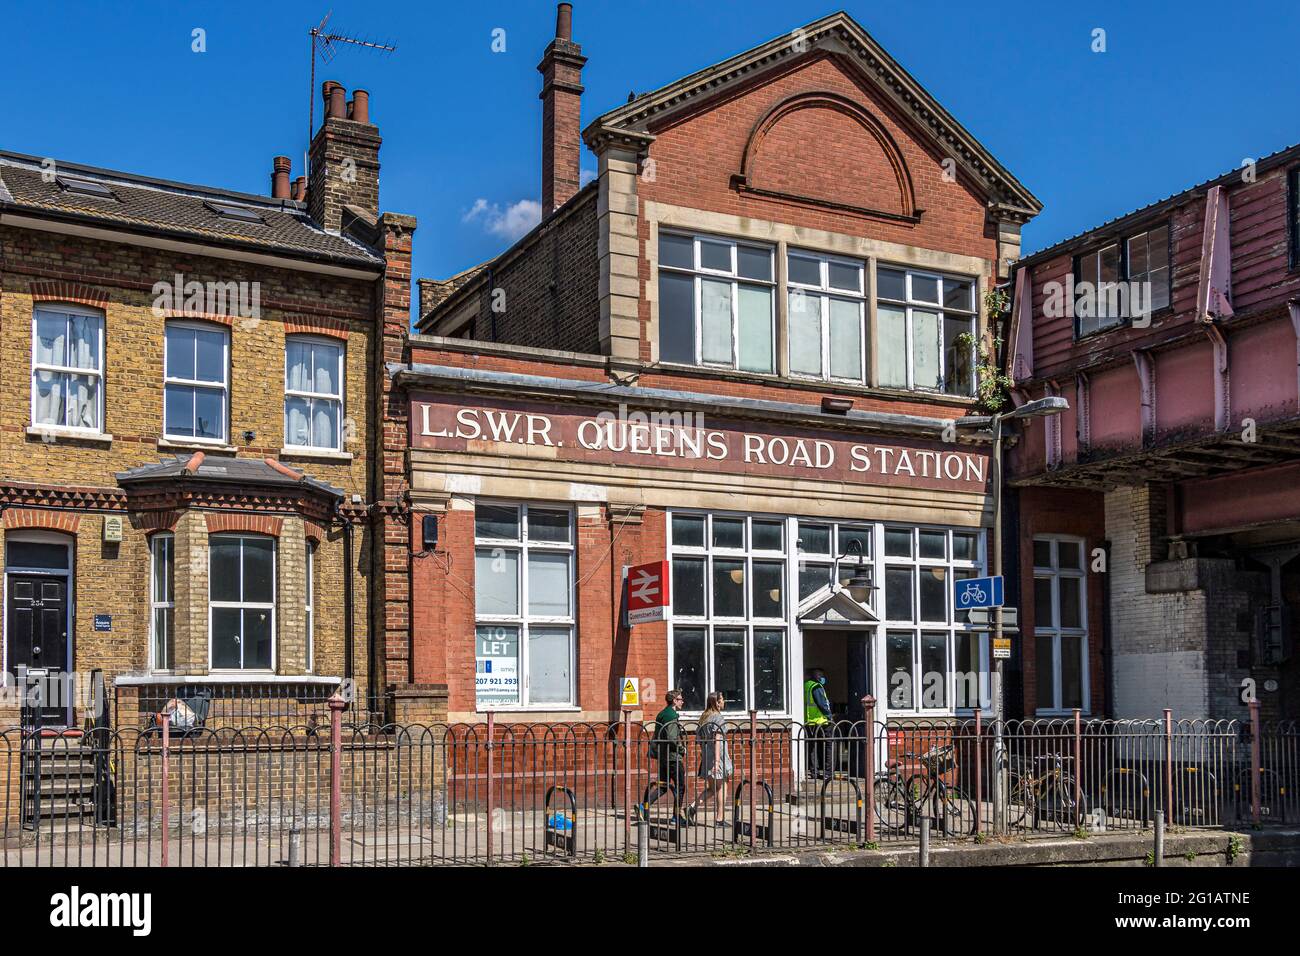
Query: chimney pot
[
  {"x": 361, "y": 106},
  {"x": 336, "y": 100},
  {"x": 280, "y": 167},
  {"x": 300, "y": 189},
  {"x": 564, "y": 22}
]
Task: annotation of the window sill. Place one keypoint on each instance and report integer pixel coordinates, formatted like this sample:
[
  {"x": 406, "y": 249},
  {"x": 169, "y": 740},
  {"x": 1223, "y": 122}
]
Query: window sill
[
  {"x": 316, "y": 454},
  {"x": 180, "y": 444},
  {"x": 226, "y": 677},
  {"x": 54, "y": 434}
]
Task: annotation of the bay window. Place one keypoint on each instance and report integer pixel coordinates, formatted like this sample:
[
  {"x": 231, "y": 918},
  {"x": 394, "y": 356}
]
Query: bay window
[
  {"x": 716, "y": 300},
  {"x": 196, "y": 381},
  {"x": 68, "y": 368},
  {"x": 523, "y": 600},
  {"x": 313, "y": 393},
  {"x": 826, "y": 313},
  {"x": 925, "y": 331},
  {"x": 241, "y": 602},
  {"x": 1060, "y": 624}
]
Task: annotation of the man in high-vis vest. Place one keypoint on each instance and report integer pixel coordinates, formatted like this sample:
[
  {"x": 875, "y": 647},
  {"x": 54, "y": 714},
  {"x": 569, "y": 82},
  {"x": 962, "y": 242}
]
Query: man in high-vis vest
[{"x": 817, "y": 724}]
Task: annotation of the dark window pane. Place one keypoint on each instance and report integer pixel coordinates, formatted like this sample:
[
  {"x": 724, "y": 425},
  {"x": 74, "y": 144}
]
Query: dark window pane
[
  {"x": 688, "y": 586},
  {"x": 209, "y": 413},
  {"x": 898, "y": 666},
  {"x": 688, "y": 666},
  {"x": 225, "y": 637},
  {"x": 898, "y": 594},
  {"x": 728, "y": 588},
  {"x": 729, "y": 666},
  {"x": 814, "y": 538},
  {"x": 1071, "y": 597},
  {"x": 1046, "y": 667},
  {"x": 676, "y": 251},
  {"x": 803, "y": 270},
  {"x": 956, "y": 295},
  {"x": 1043, "y": 617},
  {"x": 729, "y": 533},
  {"x": 257, "y": 638},
  {"x": 688, "y": 531},
  {"x": 898, "y": 542},
  {"x": 1158, "y": 248},
  {"x": 259, "y": 570},
  {"x": 1067, "y": 554},
  {"x": 753, "y": 262},
  {"x": 178, "y": 414},
  {"x": 966, "y": 665},
  {"x": 767, "y": 535},
  {"x": 1042, "y": 554},
  {"x": 768, "y": 594},
  {"x": 934, "y": 544},
  {"x": 37, "y": 554},
  {"x": 890, "y": 284},
  {"x": 497, "y": 521},
  {"x": 962, "y": 574},
  {"x": 925, "y": 289},
  {"x": 855, "y": 541},
  {"x": 965, "y": 547},
  {"x": 934, "y": 594},
  {"x": 715, "y": 255},
  {"x": 812, "y": 577},
  {"x": 676, "y": 318},
  {"x": 845, "y": 276},
  {"x": 769, "y": 669},
  {"x": 548, "y": 525},
  {"x": 1071, "y": 672},
  {"x": 934, "y": 670},
  {"x": 223, "y": 568}
]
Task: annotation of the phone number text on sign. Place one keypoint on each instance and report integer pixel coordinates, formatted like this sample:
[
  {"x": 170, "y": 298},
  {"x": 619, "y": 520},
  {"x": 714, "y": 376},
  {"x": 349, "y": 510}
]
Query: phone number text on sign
[{"x": 496, "y": 666}]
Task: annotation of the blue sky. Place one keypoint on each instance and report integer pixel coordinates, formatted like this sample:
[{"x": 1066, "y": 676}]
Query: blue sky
[{"x": 1182, "y": 92}]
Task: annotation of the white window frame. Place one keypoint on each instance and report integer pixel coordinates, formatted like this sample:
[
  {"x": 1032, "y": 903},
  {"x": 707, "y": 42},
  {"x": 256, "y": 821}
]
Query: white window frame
[
  {"x": 1051, "y": 626},
  {"x": 64, "y": 371},
  {"x": 198, "y": 384},
  {"x": 825, "y": 293},
  {"x": 311, "y": 396},
  {"x": 699, "y": 273},
  {"x": 747, "y": 622},
  {"x": 950, "y": 626},
  {"x": 910, "y": 305},
  {"x": 247, "y": 605},
  {"x": 523, "y": 546},
  {"x": 155, "y": 605}
]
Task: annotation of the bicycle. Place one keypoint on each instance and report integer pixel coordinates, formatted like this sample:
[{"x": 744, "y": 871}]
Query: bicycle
[
  {"x": 900, "y": 802},
  {"x": 1047, "y": 794}
]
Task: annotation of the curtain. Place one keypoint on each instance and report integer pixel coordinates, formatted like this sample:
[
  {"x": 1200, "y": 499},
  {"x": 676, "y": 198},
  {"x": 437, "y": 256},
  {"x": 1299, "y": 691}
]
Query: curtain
[{"x": 48, "y": 404}]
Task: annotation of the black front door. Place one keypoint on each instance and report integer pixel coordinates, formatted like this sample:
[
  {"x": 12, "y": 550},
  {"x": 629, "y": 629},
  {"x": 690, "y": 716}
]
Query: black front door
[{"x": 37, "y": 633}]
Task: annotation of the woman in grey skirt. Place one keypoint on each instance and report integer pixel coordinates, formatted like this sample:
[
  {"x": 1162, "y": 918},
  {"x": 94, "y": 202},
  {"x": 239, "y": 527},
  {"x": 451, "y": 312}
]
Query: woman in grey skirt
[{"x": 715, "y": 761}]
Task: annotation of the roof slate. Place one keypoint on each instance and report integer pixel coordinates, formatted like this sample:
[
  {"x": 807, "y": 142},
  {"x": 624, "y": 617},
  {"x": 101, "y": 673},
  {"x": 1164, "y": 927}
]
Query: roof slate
[
  {"x": 243, "y": 471},
  {"x": 178, "y": 210}
]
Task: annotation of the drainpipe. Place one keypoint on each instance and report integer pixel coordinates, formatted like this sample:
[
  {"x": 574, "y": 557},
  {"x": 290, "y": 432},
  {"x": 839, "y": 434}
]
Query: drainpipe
[
  {"x": 1107, "y": 652},
  {"x": 349, "y": 632}
]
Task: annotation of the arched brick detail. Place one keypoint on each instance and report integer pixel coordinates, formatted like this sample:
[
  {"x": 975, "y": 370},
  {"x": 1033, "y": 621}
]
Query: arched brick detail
[
  {"x": 152, "y": 521},
  {"x": 314, "y": 531},
  {"x": 315, "y": 325},
  {"x": 16, "y": 518},
  {"x": 57, "y": 290},
  {"x": 220, "y": 319},
  {"x": 219, "y": 521}
]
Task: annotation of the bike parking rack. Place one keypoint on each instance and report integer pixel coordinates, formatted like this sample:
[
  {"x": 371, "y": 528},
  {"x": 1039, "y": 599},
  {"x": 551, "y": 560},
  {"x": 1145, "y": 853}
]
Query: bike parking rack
[
  {"x": 739, "y": 827},
  {"x": 842, "y": 824},
  {"x": 557, "y": 837}
]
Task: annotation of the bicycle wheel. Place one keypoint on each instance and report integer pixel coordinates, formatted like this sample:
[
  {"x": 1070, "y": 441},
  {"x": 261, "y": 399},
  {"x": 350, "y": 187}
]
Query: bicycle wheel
[
  {"x": 892, "y": 805},
  {"x": 1020, "y": 801},
  {"x": 1058, "y": 801},
  {"x": 958, "y": 811}
]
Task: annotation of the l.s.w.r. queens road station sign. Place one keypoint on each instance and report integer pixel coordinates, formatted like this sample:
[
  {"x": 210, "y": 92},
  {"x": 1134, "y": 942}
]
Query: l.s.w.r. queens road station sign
[{"x": 673, "y": 440}]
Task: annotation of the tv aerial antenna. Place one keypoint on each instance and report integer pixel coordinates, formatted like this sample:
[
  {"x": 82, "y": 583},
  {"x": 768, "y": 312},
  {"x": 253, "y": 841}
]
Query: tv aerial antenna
[{"x": 327, "y": 43}]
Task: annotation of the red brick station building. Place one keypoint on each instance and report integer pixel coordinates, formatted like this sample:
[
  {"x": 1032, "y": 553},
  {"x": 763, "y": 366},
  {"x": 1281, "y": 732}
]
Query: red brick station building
[{"x": 749, "y": 347}]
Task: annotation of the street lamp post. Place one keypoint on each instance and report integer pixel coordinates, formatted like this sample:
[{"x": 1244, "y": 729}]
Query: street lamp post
[{"x": 1039, "y": 408}]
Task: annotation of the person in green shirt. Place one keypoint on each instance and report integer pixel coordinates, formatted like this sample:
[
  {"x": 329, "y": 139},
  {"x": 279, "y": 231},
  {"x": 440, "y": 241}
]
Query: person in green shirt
[{"x": 669, "y": 751}]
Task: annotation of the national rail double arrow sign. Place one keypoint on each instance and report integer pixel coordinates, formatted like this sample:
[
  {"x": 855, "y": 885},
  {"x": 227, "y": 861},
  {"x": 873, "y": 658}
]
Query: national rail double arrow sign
[{"x": 647, "y": 592}]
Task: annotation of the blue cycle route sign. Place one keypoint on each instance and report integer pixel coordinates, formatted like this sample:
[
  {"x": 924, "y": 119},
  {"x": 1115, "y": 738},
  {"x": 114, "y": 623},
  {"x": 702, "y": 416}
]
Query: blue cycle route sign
[{"x": 978, "y": 592}]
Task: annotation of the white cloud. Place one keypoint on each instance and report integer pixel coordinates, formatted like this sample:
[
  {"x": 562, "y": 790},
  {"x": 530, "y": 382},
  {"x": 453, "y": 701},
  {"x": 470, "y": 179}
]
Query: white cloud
[{"x": 511, "y": 222}]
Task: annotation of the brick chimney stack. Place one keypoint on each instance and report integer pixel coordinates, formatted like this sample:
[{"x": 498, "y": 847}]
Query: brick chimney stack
[
  {"x": 561, "y": 96},
  {"x": 344, "y": 158}
]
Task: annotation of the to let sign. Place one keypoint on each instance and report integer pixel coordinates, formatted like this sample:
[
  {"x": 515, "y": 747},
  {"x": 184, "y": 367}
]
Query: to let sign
[{"x": 647, "y": 592}]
